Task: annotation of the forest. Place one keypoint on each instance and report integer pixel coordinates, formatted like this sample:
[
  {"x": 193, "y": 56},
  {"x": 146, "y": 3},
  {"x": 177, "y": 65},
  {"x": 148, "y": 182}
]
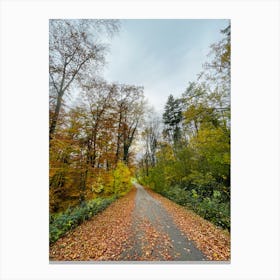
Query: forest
[
  {"x": 187, "y": 152},
  {"x": 104, "y": 136}
]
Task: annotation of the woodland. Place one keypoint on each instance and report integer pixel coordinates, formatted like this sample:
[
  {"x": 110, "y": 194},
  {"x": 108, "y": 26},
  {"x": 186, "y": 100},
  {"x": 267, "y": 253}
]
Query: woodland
[{"x": 110, "y": 137}]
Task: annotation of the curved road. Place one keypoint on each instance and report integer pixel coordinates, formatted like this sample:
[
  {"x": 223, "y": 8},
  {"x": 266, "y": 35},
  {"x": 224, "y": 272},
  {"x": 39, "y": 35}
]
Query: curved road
[{"x": 154, "y": 234}]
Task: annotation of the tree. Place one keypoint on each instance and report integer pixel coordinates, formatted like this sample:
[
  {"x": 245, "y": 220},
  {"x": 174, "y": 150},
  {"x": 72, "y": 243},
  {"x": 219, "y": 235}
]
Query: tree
[
  {"x": 151, "y": 138},
  {"x": 66, "y": 162},
  {"x": 72, "y": 49},
  {"x": 217, "y": 72},
  {"x": 98, "y": 103},
  {"x": 221, "y": 58},
  {"x": 129, "y": 113},
  {"x": 172, "y": 118},
  {"x": 199, "y": 108}
]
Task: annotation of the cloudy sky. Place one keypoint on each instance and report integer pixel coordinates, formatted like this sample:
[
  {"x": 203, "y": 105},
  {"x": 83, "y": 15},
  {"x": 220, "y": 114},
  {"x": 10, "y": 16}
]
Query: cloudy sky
[{"x": 161, "y": 55}]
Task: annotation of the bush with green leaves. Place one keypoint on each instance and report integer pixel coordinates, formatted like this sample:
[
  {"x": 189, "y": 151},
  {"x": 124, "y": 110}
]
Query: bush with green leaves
[
  {"x": 176, "y": 194},
  {"x": 211, "y": 208},
  {"x": 215, "y": 211},
  {"x": 62, "y": 222}
]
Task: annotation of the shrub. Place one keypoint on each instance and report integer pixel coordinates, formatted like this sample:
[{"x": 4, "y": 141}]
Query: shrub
[
  {"x": 176, "y": 194},
  {"x": 72, "y": 217},
  {"x": 210, "y": 208}
]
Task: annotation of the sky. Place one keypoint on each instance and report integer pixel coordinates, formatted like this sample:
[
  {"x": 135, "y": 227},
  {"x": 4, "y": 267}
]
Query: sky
[{"x": 161, "y": 55}]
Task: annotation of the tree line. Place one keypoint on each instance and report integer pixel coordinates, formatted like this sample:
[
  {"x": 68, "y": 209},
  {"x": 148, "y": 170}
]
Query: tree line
[
  {"x": 91, "y": 152},
  {"x": 187, "y": 151}
]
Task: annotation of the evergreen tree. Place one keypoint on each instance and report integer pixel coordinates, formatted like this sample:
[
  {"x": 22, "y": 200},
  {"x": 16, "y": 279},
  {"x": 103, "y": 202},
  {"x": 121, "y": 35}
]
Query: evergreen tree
[{"x": 172, "y": 118}]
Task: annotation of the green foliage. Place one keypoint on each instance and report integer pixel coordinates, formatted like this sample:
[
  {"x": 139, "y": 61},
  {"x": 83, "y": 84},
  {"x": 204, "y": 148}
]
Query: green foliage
[
  {"x": 194, "y": 169},
  {"x": 62, "y": 222},
  {"x": 196, "y": 176},
  {"x": 215, "y": 211},
  {"x": 210, "y": 208}
]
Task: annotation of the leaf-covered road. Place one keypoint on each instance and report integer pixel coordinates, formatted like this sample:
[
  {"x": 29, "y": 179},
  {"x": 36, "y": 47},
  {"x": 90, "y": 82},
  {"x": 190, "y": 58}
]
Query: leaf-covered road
[
  {"x": 143, "y": 226},
  {"x": 155, "y": 236}
]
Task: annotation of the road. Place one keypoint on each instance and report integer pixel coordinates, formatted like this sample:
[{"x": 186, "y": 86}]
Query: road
[
  {"x": 142, "y": 226},
  {"x": 154, "y": 235}
]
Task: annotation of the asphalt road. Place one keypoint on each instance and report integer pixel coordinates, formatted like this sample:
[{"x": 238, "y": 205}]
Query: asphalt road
[{"x": 155, "y": 237}]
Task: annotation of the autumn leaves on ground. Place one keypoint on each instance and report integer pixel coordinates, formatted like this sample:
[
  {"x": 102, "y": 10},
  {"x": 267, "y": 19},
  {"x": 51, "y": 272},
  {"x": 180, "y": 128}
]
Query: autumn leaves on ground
[
  {"x": 105, "y": 135},
  {"x": 123, "y": 233}
]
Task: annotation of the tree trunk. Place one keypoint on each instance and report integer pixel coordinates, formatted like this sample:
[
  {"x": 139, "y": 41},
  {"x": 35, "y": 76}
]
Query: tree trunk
[
  {"x": 125, "y": 153},
  {"x": 119, "y": 138},
  {"x": 55, "y": 117}
]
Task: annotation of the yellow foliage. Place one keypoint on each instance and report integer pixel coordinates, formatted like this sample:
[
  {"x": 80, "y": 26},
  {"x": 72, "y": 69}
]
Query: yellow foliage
[{"x": 122, "y": 179}]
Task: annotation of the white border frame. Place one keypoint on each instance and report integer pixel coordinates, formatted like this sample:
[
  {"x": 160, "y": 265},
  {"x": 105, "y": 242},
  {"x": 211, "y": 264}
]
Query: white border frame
[{"x": 255, "y": 138}]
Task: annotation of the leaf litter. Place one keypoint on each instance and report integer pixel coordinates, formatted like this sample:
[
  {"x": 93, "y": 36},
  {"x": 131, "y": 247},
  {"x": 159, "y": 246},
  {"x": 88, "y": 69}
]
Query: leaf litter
[
  {"x": 102, "y": 238},
  {"x": 111, "y": 235},
  {"x": 211, "y": 240}
]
